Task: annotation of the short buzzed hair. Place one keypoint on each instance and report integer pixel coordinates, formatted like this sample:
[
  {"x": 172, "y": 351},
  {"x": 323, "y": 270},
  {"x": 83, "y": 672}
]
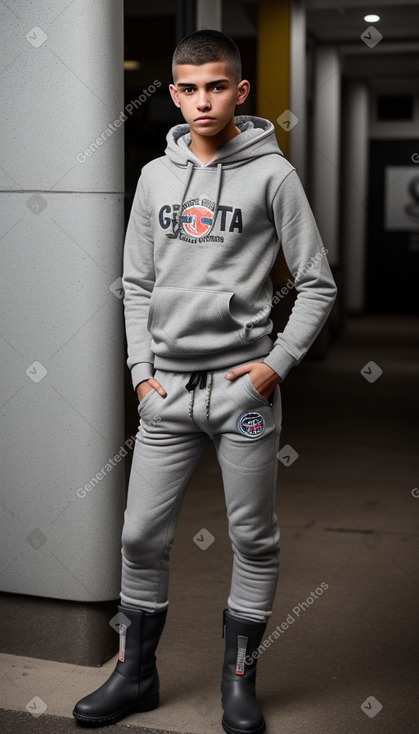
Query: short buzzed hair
[{"x": 206, "y": 46}]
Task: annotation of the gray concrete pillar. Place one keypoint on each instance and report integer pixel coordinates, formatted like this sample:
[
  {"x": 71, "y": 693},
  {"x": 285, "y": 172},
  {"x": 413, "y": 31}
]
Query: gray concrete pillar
[
  {"x": 355, "y": 163},
  {"x": 326, "y": 148},
  {"x": 61, "y": 322},
  {"x": 298, "y": 93}
]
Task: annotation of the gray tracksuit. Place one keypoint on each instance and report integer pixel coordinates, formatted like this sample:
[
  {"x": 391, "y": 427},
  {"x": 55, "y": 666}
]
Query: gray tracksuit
[{"x": 200, "y": 244}]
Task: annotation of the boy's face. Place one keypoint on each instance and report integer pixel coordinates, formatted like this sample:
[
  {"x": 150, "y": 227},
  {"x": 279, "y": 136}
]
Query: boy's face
[{"x": 207, "y": 96}]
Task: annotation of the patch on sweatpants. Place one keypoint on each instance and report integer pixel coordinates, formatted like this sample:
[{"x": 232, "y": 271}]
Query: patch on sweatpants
[{"x": 251, "y": 424}]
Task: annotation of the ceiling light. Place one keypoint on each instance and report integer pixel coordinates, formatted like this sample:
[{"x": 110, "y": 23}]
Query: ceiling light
[{"x": 372, "y": 18}]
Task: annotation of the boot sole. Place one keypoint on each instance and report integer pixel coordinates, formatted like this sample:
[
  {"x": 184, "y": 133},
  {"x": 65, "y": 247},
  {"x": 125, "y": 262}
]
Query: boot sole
[
  {"x": 140, "y": 707},
  {"x": 231, "y": 730}
]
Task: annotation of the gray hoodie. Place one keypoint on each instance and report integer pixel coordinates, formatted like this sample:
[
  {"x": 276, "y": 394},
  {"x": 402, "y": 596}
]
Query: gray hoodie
[{"x": 200, "y": 244}]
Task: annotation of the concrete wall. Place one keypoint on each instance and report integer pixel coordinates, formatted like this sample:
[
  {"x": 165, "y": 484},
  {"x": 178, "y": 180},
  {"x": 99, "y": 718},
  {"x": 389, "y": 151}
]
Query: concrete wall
[{"x": 61, "y": 322}]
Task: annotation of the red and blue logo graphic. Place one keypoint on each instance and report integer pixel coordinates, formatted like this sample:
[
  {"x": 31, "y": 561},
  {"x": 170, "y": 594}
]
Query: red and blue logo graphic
[
  {"x": 197, "y": 220},
  {"x": 198, "y": 217},
  {"x": 251, "y": 424}
]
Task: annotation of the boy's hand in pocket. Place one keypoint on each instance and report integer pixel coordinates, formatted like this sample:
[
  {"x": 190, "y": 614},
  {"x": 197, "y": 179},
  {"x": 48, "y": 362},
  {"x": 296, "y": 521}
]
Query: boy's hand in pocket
[
  {"x": 263, "y": 378},
  {"x": 147, "y": 385}
]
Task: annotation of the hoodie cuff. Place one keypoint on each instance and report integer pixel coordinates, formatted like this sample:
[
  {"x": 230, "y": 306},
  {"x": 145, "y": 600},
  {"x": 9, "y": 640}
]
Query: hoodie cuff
[
  {"x": 280, "y": 361},
  {"x": 140, "y": 372}
]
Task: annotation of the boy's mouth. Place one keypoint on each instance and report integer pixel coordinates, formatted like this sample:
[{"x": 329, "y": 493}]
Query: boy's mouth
[{"x": 204, "y": 118}]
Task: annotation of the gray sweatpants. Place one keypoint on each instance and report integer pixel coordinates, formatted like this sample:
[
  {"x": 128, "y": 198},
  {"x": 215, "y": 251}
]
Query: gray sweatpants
[{"x": 173, "y": 436}]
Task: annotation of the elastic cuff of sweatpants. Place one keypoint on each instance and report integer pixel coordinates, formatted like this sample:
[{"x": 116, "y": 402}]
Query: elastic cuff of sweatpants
[{"x": 143, "y": 606}]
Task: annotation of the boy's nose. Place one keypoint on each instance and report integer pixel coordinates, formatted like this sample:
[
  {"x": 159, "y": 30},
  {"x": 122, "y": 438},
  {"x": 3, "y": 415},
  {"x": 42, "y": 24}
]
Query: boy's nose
[{"x": 203, "y": 102}]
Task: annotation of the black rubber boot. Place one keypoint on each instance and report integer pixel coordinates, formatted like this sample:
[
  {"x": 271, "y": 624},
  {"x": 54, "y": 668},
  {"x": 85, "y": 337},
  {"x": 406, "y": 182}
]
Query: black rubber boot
[
  {"x": 134, "y": 684},
  {"x": 242, "y": 714}
]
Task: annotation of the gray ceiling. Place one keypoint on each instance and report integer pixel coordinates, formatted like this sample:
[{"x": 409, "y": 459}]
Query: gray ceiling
[
  {"x": 391, "y": 64},
  {"x": 342, "y": 20}
]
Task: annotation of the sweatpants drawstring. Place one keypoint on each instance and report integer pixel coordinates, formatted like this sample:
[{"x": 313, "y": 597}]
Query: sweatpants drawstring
[
  {"x": 208, "y": 395},
  {"x": 202, "y": 379}
]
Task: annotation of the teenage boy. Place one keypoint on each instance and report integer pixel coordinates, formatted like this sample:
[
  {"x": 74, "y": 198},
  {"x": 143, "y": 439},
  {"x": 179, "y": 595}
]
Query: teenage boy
[{"x": 206, "y": 225}]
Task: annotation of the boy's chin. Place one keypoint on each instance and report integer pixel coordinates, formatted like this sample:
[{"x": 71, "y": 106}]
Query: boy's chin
[
  {"x": 207, "y": 131},
  {"x": 204, "y": 133}
]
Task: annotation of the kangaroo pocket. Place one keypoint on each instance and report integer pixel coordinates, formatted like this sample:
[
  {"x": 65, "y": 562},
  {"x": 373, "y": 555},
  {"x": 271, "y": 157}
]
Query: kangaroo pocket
[{"x": 192, "y": 321}]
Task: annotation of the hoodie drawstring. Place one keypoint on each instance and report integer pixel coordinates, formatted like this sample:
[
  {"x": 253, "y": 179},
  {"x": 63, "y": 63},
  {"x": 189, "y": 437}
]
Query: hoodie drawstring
[
  {"x": 181, "y": 218},
  {"x": 203, "y": 380},
  {"x": 175, "y": 233},
  {"x": 217, "y": 195}
]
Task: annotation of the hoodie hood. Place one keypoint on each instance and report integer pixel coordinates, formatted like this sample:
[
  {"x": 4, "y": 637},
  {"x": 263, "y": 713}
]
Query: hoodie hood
[{"x": 256, "y": 139}]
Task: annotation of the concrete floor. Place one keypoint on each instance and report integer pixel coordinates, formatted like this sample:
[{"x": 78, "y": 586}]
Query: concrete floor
[{"x": 348, "y": 511}]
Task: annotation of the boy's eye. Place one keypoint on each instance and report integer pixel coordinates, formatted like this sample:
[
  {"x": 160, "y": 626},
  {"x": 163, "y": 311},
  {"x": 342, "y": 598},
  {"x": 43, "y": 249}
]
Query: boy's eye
[{"x": 191, "y": 90}]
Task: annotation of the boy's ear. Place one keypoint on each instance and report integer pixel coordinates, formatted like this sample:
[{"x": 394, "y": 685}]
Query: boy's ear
[
  {"x": 243, "y": 89},
  {"x": 173, "y": 94}
]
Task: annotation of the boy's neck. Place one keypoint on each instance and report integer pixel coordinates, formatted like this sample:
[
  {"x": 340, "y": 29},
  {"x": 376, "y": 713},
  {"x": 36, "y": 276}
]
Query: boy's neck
[{"x": 205, "y": 147}]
